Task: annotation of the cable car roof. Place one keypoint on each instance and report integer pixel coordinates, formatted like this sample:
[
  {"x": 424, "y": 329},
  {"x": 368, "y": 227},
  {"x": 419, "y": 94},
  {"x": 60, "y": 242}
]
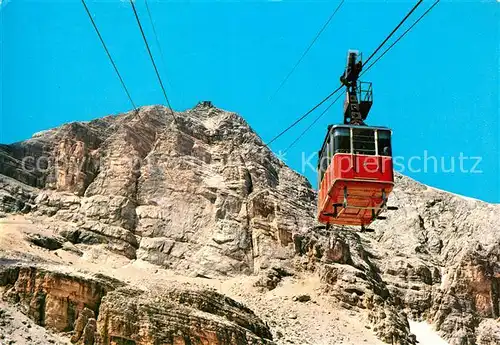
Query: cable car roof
[
  {"x": 358, "y": 126},
  {"x": 332, "y": 127}
]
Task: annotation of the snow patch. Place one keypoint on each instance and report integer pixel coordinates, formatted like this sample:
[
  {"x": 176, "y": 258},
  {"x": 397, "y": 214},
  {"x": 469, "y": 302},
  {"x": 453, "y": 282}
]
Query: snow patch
[
  {"x": 215, "y": 181},
  {"x": 425, "y": 334},
  {"x": 454, "y": 194},
  {"x": 444, "y": 278}
]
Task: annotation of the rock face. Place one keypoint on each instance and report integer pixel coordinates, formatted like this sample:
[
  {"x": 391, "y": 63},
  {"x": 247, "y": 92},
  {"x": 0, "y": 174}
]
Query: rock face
[
  {"x": 53, "y": 299},
  {"x": 347, "y": 269},
  {"x": 69, "y": 303},
  {"x": 120, "y": 180},
  {"x": 445, "y": 267},
  {"x": 205, "y": 197},
  {"x": 177, "y": 317}
]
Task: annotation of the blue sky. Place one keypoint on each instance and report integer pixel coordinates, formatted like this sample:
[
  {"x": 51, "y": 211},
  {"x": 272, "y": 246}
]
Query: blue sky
[{"x": 437, "y": 89}]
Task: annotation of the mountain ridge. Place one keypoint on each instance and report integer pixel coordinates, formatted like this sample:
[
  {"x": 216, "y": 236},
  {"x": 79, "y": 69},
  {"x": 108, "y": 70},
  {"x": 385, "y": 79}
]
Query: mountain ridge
[{"x": 206, "y": 199}]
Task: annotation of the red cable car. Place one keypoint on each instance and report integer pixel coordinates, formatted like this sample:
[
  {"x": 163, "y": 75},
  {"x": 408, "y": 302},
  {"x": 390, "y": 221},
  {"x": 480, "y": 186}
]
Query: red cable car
[{"x": 355, "y": 170}]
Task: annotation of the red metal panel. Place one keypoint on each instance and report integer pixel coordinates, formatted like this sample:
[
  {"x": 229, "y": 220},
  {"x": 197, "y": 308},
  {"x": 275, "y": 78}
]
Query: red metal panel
[
  {"x": 348, "y": 166},
  {"x": 365, "y": 177}
]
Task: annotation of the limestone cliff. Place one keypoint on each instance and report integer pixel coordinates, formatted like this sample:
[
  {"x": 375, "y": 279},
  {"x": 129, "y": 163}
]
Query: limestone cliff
[{"x": 206, "y": 198}]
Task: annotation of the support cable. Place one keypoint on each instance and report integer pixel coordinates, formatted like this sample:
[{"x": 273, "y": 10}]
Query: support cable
[
  {"x": 162, "y": 56},
  {"x": 336, "y": 90},
  {"x": 304, "y": 116},
  {"x": 312, "y": 124},
  {"x": 370, "y": 66},
  {"x": 393, "y": 31},
  {"x": 109, "y": 55},
  {"x": 307, "y": 50},
  {"x": 152, "y": 60},
  {"x": 400, "y": 37}
]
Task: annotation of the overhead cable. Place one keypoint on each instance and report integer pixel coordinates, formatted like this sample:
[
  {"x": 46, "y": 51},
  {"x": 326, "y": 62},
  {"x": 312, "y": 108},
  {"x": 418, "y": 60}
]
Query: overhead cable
[
  {"x": 152, "y": 59},
  {"x": 336, "y": 90},
  {"x": 312, "y": 124},
  {"x": 308, "y": 48},
  {"x": 393, "y": 31},
  {"x": 400, "y": 37},
  {"x": 108, "y": 54}
]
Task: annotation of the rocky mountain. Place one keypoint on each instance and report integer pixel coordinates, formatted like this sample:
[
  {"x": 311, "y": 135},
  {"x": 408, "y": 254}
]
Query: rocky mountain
[{"x": 135, "y": 229}]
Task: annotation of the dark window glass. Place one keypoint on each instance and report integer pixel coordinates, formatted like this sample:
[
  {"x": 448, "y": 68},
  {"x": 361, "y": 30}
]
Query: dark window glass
[
  {"x": 341, "y": 140},
  {"x": 384, "y": 143},
  {"x": 325, "y": 157},
  {"x": 328, "y": 156},
  {"x": 323, "y": 162},
  {"x": 330, "y": 149},
  {"x": 363, "y": 141}
]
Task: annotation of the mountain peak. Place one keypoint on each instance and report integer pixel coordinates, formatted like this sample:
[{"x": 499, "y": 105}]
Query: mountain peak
[{"x": 204, "y": 198}]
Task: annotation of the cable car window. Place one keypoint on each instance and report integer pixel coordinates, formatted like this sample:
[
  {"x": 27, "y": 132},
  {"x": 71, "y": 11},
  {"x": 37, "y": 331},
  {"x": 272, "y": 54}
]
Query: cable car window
[
  {"x": 384, "y": 143},
  {"x": 330, "y": 148},
  {"x": 328, "y": 152},
  {"x": 363, "y": 141},
  {"x": 323, "y": 162},
  {"x": 342, "y": 140}
]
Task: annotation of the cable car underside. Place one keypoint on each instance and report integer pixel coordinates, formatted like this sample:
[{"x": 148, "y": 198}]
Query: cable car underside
[{"x": 355, "y": 168}]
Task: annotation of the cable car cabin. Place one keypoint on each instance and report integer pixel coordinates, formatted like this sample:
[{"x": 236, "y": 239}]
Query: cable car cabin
[{"x": 355, "y": 174}]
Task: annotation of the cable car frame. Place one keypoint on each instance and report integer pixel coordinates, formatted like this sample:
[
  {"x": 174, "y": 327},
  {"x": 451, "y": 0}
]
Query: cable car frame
[{"x": 355, "y": 167}]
